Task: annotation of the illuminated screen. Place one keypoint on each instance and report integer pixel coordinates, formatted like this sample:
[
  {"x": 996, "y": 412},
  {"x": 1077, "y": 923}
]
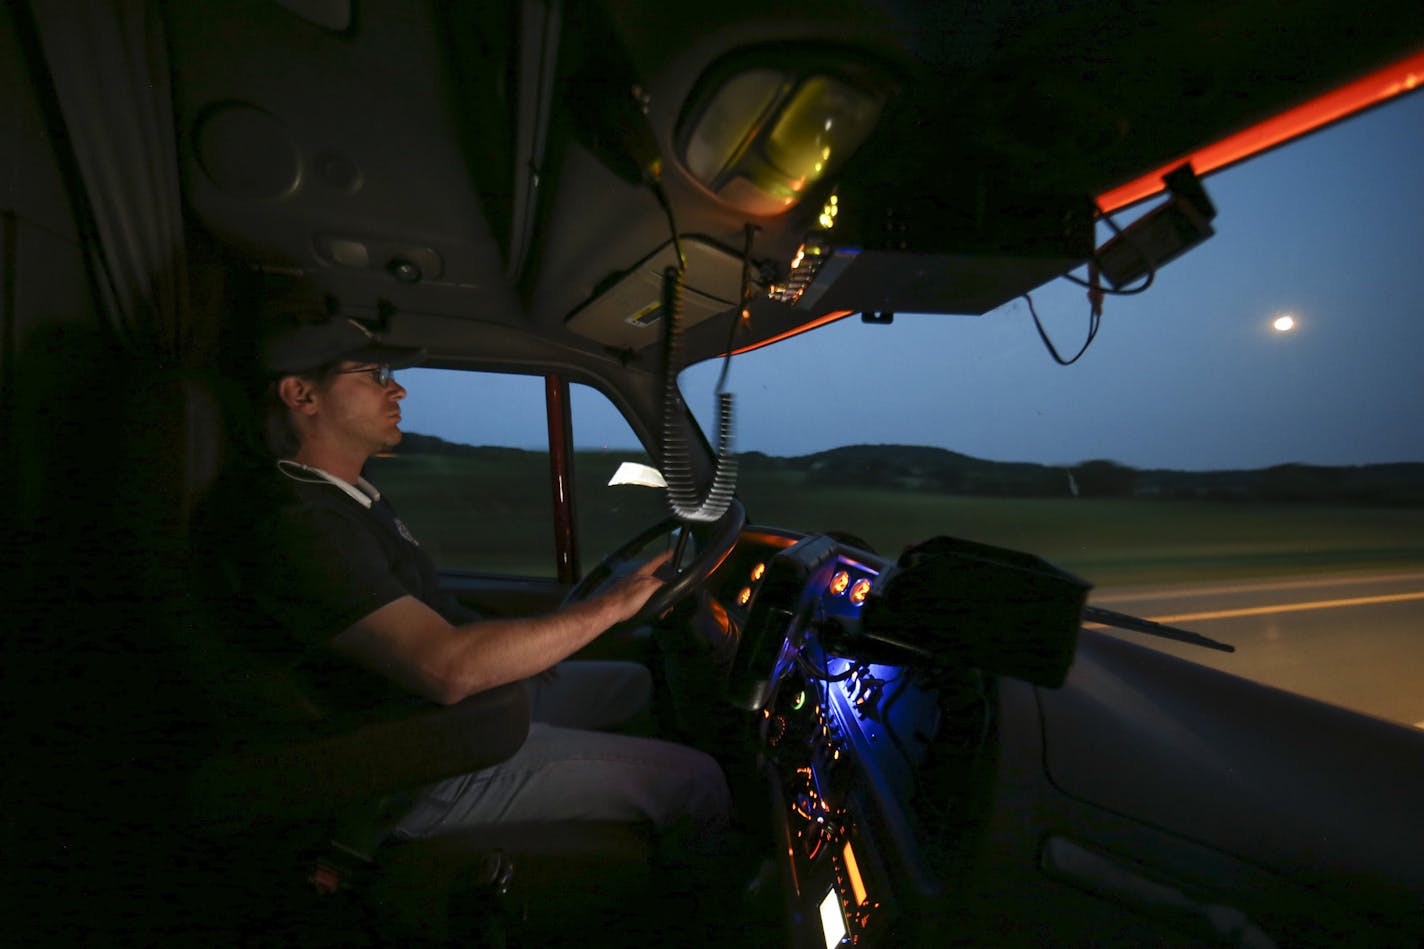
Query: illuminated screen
[{"x": 833, "y": 923}]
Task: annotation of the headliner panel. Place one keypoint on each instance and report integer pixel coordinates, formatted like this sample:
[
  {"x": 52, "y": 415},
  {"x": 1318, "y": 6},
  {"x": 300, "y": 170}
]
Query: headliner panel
[{"x": 1003, "y": 104}]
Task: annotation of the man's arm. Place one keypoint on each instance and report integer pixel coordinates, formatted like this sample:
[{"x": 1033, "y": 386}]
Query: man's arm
[{"x": 415, "y": 647}]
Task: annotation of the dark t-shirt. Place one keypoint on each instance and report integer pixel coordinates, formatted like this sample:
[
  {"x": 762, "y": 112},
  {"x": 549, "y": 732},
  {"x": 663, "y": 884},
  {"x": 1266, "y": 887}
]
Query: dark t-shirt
[{"x": 321, "y": 563}]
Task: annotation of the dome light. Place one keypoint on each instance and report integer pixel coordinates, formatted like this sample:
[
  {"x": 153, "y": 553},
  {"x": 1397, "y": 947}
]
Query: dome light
[{"x": 760, "y": 136}]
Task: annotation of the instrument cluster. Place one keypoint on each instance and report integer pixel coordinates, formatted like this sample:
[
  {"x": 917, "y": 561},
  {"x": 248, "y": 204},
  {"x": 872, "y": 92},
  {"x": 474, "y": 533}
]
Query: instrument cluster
[{"x": 841, "y": 740}]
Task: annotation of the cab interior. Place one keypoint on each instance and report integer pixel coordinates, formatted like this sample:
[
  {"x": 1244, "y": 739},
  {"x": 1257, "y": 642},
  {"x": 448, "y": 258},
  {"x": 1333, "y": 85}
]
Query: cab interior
[{"x": 533, "y": 187}]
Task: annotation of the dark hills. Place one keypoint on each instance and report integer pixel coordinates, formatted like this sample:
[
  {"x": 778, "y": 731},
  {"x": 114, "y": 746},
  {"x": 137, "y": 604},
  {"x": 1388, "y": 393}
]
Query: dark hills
[{"x": 923, "y": 468}]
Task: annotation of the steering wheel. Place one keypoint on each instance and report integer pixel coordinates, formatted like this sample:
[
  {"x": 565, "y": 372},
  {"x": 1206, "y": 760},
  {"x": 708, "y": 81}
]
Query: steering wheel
[{"x": 716, "y": 539}]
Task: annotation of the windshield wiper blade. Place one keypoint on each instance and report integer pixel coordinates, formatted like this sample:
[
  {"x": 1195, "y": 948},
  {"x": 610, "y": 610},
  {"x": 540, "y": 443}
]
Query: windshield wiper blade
[{"x": 1096, "y": 614}]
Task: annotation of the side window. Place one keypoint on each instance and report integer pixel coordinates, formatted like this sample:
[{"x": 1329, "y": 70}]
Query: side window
[
  {"x": 472, "y": 480},
  {"x": 471, "y": 476},
  {"x": 607, "y": 514}
]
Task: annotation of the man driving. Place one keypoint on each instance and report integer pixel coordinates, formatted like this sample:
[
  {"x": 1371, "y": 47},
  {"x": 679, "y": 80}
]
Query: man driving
[{"x": 349, "y": 584}]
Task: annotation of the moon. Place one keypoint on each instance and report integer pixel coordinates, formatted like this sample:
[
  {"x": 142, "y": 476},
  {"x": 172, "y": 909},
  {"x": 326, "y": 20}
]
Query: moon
[{"x": 1284, "y": 323}]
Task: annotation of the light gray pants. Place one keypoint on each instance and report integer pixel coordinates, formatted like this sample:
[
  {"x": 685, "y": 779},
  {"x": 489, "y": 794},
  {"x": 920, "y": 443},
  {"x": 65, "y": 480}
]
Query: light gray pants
[{"x": 566, "y": 771}]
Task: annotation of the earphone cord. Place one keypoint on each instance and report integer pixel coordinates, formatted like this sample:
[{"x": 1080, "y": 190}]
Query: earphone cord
[{"x": 284, "y": 463}]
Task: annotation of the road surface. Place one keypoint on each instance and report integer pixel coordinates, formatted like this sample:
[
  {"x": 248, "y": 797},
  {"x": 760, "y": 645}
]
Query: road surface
[{"x": 1351, "y": 639}]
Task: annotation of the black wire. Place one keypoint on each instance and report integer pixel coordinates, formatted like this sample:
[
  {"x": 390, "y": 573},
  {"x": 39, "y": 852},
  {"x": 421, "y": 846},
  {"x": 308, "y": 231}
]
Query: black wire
[
  {"x": 749, "y": 231},
  {"x": 902, "y": 685},
  {"x": 1146, "y": 258},
  {"x": 823, "y": 674},
  {"x": 1095, "y": 314},
  {"x": 657, "y": 187},
  {"x": 662, "y": 197},
  {"x": 1131, "y": 292},
  {"x": 1094, "y": 321}
]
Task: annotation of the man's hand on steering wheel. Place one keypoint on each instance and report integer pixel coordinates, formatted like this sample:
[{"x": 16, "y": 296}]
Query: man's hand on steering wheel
[
  {"x": 715, "y": 541},
  {"x": 626, "y": 595}
]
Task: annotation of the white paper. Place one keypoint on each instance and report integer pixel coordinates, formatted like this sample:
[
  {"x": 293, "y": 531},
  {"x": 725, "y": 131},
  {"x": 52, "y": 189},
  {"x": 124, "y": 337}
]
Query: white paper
[{"x": 630, "y": 472}]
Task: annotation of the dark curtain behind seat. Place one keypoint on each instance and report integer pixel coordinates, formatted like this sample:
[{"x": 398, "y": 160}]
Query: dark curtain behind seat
[
  {"x": 108, "y": 62},
  {"x": 118, "y": 433}
]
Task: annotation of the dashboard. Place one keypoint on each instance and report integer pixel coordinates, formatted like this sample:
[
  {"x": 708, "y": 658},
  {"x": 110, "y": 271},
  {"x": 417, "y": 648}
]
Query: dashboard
[
  {"x": 870, "y": 754},
  {"x": 936, "y": 774}
]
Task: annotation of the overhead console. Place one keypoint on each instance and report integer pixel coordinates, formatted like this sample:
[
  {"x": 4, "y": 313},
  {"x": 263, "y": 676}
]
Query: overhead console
[
  {"x": 626, "y": 309},
  {"x": 945, "y": 168},
  {"x": 820, "y": 148},
  {"x": 903, "y": 230},
  {"x": 834, "y": 138}
]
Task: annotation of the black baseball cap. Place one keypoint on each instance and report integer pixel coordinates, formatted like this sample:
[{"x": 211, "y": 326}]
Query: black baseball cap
[{"x": 306, "y": 346}]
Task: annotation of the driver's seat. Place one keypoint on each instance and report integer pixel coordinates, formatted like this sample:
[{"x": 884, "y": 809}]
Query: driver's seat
[{"x": 287, "y": 809}]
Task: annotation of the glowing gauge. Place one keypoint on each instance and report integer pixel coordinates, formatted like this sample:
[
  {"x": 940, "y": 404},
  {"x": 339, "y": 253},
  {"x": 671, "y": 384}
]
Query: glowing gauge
[
  {"x": 758, "y": 572},
  {"x": 860, "y": 591},
  {"x": 839, "y": 583},
  {"x": 745, "y": 596}
]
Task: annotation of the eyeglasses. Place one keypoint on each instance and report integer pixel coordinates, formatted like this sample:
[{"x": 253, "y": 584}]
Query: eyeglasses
[{"x": 381, "y": 374}]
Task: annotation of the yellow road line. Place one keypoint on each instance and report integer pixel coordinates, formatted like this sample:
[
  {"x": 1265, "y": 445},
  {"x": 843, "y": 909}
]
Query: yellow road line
[
  {"x": 1130, "y": 594},
  {"x": 1287, "y": 608}
]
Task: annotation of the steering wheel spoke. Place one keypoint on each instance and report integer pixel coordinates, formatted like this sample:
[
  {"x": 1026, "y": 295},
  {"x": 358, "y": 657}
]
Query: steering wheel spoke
[{"x": 714, "y": 542}]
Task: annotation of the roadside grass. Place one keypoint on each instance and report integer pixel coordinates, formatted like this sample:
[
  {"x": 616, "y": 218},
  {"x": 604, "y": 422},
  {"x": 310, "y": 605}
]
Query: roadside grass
[
  {"x": 480, "y": 513},
  {"x": 1118, "y": 542},
  {"x": 494, "y": 513}
]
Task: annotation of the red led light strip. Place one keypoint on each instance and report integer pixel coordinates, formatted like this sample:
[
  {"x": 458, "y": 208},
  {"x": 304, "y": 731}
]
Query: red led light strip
[
  {"x": 817, "y": 323},
  {"x": 1382, "y": 84}
]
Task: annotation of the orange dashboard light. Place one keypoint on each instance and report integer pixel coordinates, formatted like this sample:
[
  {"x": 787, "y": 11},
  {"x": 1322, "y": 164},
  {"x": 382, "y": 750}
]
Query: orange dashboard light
[
  {"x": 860, "y": 591},
  {"x": 839, "y": 583},
  {"x": 857, "y": 885},
  {"x": 758, "y": 572},
  {"x": 745, "y": 596},
  {"x": 721, "y": 618}
]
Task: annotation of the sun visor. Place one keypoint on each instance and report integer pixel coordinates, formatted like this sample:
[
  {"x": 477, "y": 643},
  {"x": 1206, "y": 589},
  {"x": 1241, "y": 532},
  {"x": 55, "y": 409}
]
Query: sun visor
[{"x": 626, "y": 312}]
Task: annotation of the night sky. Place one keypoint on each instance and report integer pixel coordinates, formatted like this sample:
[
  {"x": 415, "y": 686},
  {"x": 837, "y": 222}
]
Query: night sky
[{"x": 1189, "y": 375}]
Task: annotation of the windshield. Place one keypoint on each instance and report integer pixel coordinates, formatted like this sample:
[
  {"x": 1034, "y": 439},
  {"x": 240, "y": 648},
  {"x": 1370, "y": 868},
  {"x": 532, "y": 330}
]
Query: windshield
[{"x": 1248, "y": 427}]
